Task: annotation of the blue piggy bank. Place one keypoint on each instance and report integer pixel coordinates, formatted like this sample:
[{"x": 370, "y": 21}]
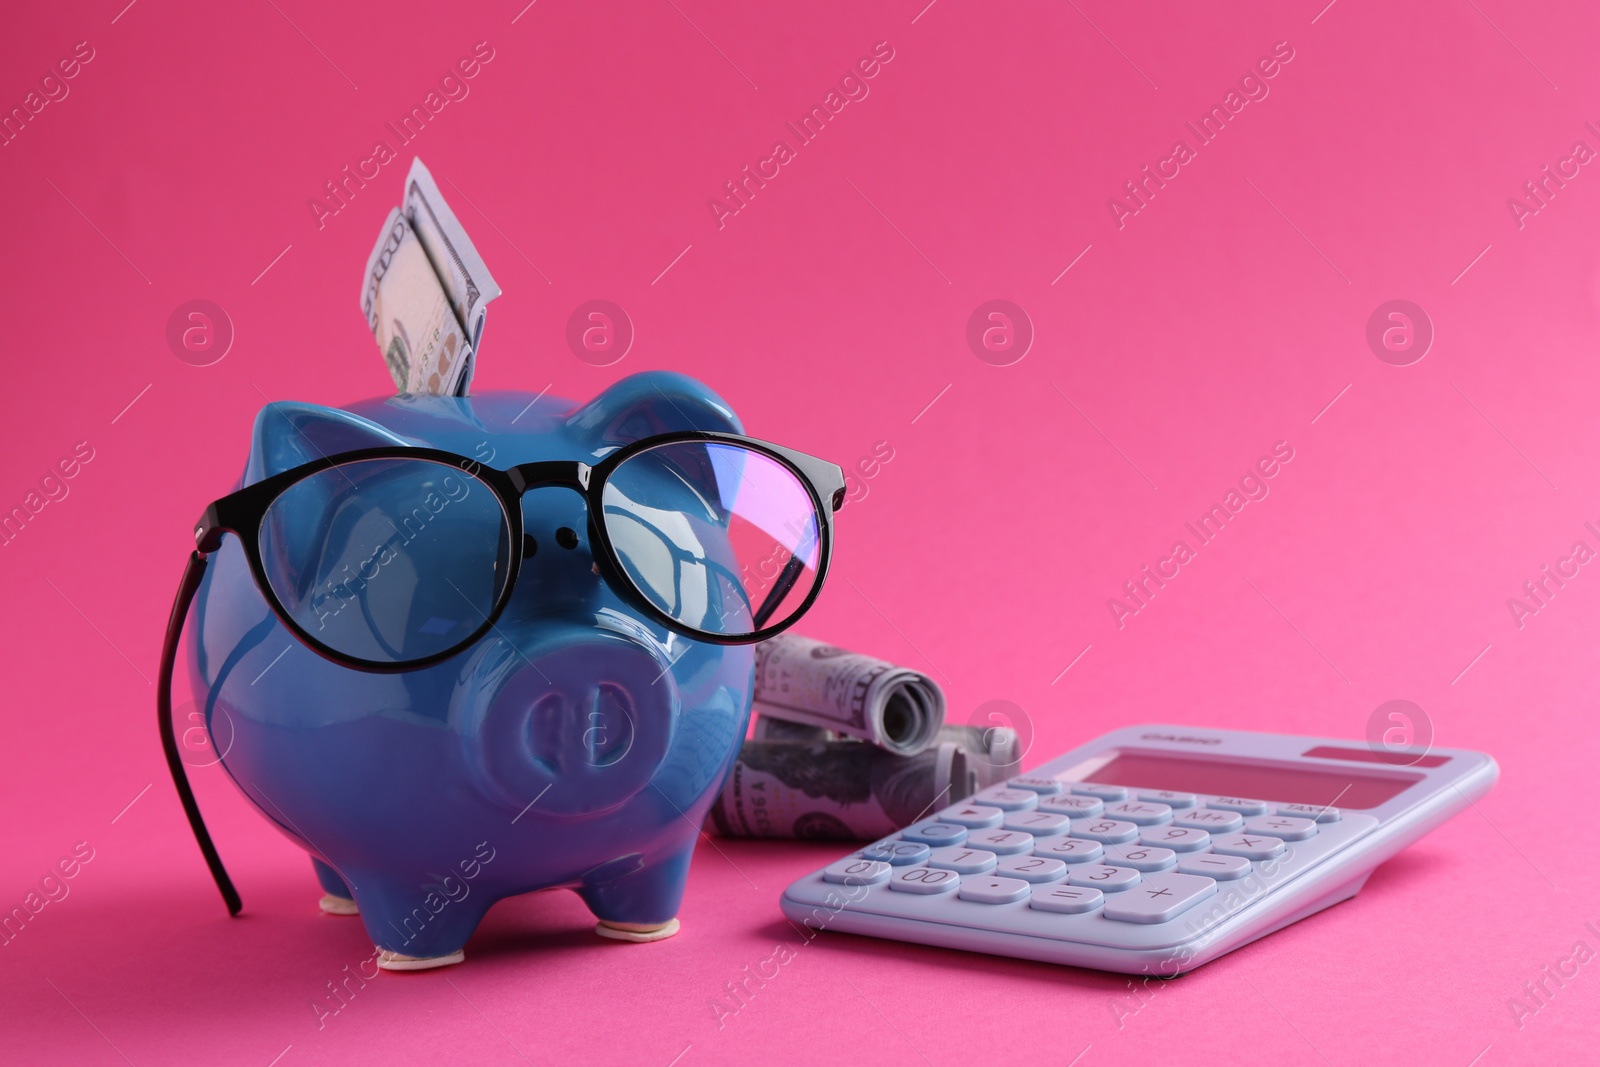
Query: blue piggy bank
[{"x": 567, "y": 721}]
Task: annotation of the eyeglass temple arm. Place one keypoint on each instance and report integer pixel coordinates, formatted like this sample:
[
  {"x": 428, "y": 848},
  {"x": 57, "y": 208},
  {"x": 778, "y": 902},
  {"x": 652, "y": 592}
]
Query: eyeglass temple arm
[{"x": 192, "y": 574}]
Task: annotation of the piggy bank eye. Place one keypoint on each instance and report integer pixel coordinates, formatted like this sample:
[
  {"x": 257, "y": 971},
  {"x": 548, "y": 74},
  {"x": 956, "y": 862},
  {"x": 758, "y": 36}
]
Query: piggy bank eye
[
  {"x": 717, "y": 536},
  {"x": 387, "y": 560}
]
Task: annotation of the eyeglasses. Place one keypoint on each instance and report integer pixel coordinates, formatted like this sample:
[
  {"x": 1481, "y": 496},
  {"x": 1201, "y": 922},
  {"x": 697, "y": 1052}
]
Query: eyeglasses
[{"x": 392, "y": 559}]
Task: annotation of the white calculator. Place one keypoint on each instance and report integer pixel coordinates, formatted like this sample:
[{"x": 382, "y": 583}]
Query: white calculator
[{"x": 1151, "y": 850}]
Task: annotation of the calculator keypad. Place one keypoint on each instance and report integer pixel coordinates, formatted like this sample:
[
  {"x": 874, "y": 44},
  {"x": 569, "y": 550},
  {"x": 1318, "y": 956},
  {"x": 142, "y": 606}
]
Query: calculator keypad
[{"x": 1074, "y": 853}]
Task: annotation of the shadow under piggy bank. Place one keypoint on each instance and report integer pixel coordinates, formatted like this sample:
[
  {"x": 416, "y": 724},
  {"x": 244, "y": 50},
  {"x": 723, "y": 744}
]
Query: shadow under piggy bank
[{"x": 576, "y": 744}]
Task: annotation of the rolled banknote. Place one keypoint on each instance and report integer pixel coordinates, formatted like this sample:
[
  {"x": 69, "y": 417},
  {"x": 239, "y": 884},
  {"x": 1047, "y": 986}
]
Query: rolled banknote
[
  {"x": 468, "y": 285},
  {"x": 409, "y": 314},
  {"x": 809, "y": 682},
  {"x": 845, "y": 789},
  {"x": 836, "y": 790}
]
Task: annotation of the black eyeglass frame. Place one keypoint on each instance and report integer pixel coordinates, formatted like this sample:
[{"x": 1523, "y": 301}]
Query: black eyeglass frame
[{"x": 241, "y": 513}]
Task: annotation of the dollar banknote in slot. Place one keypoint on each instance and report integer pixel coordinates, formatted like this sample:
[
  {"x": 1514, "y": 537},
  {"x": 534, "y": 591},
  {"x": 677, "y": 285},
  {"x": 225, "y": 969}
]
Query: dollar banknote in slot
[
  {"x": 406, "y": 308},
  {"x": 466, "y": 279},
  {"x": 426, "y": 292}
]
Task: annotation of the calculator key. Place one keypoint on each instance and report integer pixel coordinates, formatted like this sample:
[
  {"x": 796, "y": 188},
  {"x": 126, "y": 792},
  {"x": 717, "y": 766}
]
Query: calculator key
[
  {"x": 1106, "y": 831},
  {"x": 991, "y": 890},
  {"x": 1177, "y": 838},
  {"x": 898, "y": 853},
  {"x": 1142, "y": 812},
  {"x": 1106, "y": 879},
  {"x": 1002, "y": 842},
  {"x": 1167, "y": 797},
  {"x": 1238, "y": 804},
  {"x": 857, "y": 871},
  {"x": 1160, "y": 898},
  {"x": 1104, "y": 792},
  {"x": 1250, "y": 846},
  {"x": 1037, "y": 823},
  {"x": 1208, "y": 819},
  {"x": 1310, "y": 811},
  {"x": 962, "y": 860},
  {"x": 1007, "y": 799},
  {"x": 925, "y": 880},
  {"x": 1032, "y": 868},
  {"x": 1044, "y": 786},
  {"x": 935, "y": 834},
  {"x": 1067, "y": 899},
  {"x": 1143, "y": 858},
  {"x": 1069, "y": 849},
  {"x": 1210, "y": 865},
  {"x": 1077, "y": 807},
  {"x": 1287, "y": 827},
  {"x": 972, "y": 816}
]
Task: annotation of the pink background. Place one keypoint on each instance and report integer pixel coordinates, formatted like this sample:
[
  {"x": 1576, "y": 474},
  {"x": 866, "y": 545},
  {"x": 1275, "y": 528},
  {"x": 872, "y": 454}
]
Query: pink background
[{"x": 831, "y": 311}]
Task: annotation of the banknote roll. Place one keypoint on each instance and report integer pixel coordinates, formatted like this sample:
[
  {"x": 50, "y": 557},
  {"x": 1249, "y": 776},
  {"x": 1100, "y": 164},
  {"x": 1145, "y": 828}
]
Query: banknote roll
[
  {"x": 827, "y": 787},
  {"x": 836, "y": 790},
  {"x": 809, "y": 682}
]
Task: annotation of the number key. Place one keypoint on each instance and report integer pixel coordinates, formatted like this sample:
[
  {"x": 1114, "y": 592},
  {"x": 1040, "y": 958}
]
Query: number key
[
  {"x": 1032, "y": 868},
  {"x": 1069, "y": 849},
  {"x": 1002, "y": 842},
  {"x": 856, "y": 871},
  {"x": 1177, "y": 838},
  {"x": 1106, "y": 879},
  {"x": 1141, "y": 857},
  {"x": 925, "y": 880},
  {"x": 1106, "y": 831},
  {"x": 962, "y": 860},
  {"x": 1037, "y": 823}
]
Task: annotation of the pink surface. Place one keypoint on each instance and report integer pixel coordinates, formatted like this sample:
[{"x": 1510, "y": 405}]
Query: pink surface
[{"x": 1223, "y": 316}]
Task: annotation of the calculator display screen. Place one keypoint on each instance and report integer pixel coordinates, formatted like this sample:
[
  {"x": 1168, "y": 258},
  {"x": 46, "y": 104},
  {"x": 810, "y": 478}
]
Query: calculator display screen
[{"x": 1288, "y": 785}]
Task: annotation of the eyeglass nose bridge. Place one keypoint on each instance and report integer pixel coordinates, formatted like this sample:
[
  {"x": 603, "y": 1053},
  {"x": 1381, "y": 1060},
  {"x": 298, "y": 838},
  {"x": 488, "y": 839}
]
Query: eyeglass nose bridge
[{"x": 568, "y": 474}]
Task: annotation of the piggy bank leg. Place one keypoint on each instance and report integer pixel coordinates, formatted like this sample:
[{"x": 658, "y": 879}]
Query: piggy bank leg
[
  {"x": 637, "y": 903},
  {"x": 336, "y": 896},
  {"x": 416, "y": 930}
]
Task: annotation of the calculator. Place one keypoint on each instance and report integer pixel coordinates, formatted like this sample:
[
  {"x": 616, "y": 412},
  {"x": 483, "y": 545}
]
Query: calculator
[{"x": 1151, "y": 850}]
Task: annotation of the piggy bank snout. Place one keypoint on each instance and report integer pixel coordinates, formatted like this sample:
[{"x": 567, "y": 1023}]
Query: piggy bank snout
[{"x": 575, "y": 726}]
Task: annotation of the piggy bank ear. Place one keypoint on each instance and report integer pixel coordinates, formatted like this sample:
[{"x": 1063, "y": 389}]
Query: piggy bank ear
[
  {"x": 288, "y": 433},
  {"x": 653, "y": 402}
]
